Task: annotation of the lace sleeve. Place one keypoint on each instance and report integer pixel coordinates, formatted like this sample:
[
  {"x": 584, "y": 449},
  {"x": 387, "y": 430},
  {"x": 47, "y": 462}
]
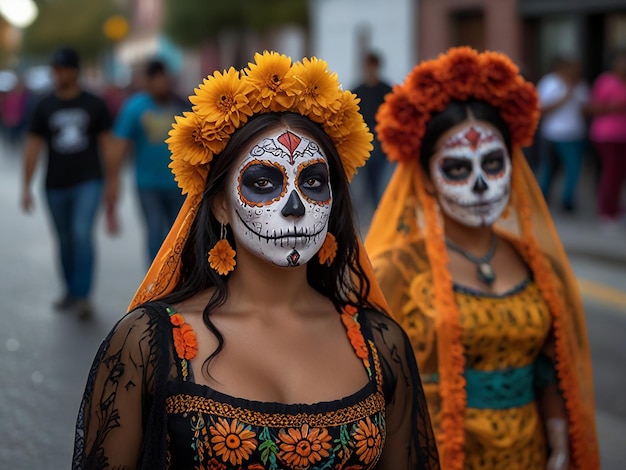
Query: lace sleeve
[
  {"x": 119, "y": 396},
  {"x": 410, "y": 442}
]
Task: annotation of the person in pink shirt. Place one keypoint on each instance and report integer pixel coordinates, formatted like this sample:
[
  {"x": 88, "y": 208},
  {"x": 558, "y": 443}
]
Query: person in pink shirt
[{"x": 608, "y": 133}]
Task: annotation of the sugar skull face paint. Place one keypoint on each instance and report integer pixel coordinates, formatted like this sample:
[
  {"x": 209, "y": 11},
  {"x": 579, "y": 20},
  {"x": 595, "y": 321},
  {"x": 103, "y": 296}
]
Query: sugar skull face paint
[
  {"x": 281, "y": 199},
  {"x": 472, "y": 175}
]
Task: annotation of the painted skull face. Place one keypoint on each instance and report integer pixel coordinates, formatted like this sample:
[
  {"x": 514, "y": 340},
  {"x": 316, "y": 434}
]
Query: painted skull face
[
  {"x": 472, "y": 174},
  {"x": 281, "y": 198}
]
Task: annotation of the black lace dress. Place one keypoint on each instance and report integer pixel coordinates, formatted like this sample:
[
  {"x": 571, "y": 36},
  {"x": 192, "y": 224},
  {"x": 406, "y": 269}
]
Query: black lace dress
[{"x": 142, "y": 409}]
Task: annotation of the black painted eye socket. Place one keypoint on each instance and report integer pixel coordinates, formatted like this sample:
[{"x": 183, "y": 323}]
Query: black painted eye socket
[
  {"x": 493, "y": 162},
  {"x": 313, "y": 182},
  {"x": 262, "y": 182},
  {"x": 456, "y": 169}
]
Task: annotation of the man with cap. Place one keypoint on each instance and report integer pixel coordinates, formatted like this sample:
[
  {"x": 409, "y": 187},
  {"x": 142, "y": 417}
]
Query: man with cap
[{"x": 75, "y": 126}]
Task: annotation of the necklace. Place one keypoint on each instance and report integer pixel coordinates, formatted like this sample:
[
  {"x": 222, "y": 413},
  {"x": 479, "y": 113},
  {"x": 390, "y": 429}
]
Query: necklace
[{"x": 484, "y": 270}]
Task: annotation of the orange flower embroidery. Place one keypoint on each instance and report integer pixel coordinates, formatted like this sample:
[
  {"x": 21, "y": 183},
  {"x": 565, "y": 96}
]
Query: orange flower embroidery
[
  {"x": 368, "y": 441},
  {"x": 234, "y": 442},
  {"x": 301, "y": 448},
  {"x": 185, "y": 341},
  {"x": 349, "y": 319},
  {"x": 222, "y": 257},
  {"x": 328, "y": 251}
]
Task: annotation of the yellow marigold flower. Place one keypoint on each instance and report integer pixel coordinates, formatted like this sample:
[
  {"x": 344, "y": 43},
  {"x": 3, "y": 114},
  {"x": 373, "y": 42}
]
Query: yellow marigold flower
[
  {"x": 354, "y": 148},
  {"x": 272, "y": 85},
  {"x": 340, "y": 122},
  {"x": 194, "y": 140},
  {"x": 318, "y": 89},
  {"x": 233, "y": 442},
  {"x": 190, "y": 178},
  {"x": 221, "y": 99}
]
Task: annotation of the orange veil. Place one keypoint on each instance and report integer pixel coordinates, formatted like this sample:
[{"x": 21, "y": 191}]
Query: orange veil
[{"x": 407, "y": 214}]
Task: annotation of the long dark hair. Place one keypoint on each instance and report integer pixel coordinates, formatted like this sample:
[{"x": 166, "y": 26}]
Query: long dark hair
[
  {"x": 455, "y": 113},
  {"x": 344, "y": 281}
]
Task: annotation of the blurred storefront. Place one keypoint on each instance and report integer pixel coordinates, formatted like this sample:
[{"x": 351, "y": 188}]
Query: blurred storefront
[{"x": 531, "y": 32}]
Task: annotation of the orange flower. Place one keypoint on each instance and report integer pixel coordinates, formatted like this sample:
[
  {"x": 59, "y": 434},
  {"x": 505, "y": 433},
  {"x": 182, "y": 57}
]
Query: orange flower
[
  {"x": 186, "y": 140},
  {"x": 368, "y": 441},
  {"x": 222, "y": 258},
  {"x": 460, "y": 74},
  {"x": 301, "y": 448},
  {"x": 177, "y": 319},
  {"x": 272, "y": 84},
  {"x": 329, "y": 250},
  {"x": 355, "y": 336},
  {"x": 353, "y": 147},
  {"x": 462, "y": 71},
  {"x": 234, "y": 442}
]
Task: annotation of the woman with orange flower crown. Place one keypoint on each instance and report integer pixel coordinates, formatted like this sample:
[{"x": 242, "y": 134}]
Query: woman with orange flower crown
[
  {"x": 468, "y": 258},
  {"x": 258, "y": 339}
]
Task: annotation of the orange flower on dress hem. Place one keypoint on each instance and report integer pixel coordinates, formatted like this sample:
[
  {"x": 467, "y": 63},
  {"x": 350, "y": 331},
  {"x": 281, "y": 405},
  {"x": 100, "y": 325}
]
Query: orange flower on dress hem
[
  {"x": 301, "y": 448},
  {"x": 368, "y": 441},
  {"x": 328, "y": 251},
  {"x": 222, "y": 257},
  {"x": 233, "y": 442}
]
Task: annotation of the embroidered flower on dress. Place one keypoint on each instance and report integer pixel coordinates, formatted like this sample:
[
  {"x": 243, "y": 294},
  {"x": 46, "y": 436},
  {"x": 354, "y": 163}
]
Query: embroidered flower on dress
[
  {"x": 233, "y": 442},
  {"x": 301, "y": 448},
  {"x": 368, "y": 441},
  {"x": 222, "y": 257}
]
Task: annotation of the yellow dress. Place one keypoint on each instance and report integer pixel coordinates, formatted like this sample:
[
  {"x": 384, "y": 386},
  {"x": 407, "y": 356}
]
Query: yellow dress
[{"x": 502, "y": 337}]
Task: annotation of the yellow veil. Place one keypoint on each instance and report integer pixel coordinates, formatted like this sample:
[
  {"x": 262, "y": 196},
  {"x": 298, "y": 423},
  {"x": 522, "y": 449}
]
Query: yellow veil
[{"x": 408, "y": 215}]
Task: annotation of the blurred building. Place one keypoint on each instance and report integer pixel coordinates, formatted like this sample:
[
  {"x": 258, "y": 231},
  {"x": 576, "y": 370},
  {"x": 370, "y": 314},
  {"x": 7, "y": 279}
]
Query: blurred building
[
  {"x": 531, "y": 32},
  {"x": 343, "y": 30}
]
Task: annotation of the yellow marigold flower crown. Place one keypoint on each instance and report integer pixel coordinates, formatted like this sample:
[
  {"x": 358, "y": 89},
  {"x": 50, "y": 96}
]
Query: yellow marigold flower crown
[
  {"x": 460, "y": 74},
  {"x": 225, "y": 101}
]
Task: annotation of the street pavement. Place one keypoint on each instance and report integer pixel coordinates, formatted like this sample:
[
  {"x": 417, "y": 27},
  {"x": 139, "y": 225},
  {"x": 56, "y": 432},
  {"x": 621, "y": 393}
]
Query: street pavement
[{"x": 45, "y": 355}]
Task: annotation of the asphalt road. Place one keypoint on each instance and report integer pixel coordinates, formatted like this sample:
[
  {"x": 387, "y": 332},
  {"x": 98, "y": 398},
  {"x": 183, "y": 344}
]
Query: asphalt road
[{"x": 45, "y": 356}]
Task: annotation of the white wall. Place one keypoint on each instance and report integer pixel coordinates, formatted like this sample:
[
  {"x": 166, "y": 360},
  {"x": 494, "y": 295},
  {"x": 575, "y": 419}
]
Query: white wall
[{"x": 335, "y": 26}]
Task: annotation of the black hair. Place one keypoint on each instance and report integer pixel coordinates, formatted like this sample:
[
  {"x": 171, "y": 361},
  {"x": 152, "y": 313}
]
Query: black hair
[
  {"x": 343, "y": 282},
  {"x": 456, "y": 113},
  {"x": 155, "y": 67}
]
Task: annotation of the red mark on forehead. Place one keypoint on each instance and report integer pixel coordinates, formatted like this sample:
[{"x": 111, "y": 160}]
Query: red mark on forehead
[
  {"x": 473, "y": 137},
  {"x": 290, "y": 141}
]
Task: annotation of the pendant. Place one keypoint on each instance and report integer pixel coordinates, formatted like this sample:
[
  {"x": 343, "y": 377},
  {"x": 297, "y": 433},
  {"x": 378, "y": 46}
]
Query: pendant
[{"x": 486, "y": 274}]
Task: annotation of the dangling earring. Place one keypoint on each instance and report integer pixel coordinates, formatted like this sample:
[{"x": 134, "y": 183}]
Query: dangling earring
[
  {"x": 222, "y": 256},
  {"x": 328, "y": 251}
]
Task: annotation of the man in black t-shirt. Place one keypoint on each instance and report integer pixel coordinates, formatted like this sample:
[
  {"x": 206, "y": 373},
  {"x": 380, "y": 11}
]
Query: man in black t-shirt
[
  {"x": 74, "y": 125},
  {"x": 372, "y": 93}
]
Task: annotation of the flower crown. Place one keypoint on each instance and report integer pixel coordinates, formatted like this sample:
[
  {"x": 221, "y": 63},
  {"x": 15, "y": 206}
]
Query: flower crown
[
  {"x": 225, "y": 101},
  {"x": 460, "y": 74}
]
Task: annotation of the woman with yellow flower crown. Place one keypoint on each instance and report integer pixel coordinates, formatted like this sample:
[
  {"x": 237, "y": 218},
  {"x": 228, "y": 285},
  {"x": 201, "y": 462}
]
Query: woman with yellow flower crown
[
  {"x": 258, "y": 339},
  {"x": 471, "y": 266}
]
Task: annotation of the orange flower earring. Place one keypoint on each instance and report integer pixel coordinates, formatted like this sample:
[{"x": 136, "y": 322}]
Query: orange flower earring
[
  {"x": 328, "y": 251},
  {"x": 222, "y": 256}
]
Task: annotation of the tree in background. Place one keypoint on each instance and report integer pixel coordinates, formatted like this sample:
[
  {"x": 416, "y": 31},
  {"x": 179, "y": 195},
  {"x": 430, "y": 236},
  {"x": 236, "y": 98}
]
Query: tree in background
[
  {"x": 190, "y": 23},
  {"x": 75, "y": 23}
]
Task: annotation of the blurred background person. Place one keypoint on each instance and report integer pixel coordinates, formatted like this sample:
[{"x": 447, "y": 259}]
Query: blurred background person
[
  {"x": 372, "y": 91},
  {"x": 608, "y": 133},
  {"x": 564, "y": 98},
  {"x": 75, "y": 125},
  {"x": 13, "y": 114},
  {"x": 142, "y": 126}
]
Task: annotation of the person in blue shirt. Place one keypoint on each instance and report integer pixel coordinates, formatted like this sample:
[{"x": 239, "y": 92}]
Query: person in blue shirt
[{"x": 142, "y": 125}]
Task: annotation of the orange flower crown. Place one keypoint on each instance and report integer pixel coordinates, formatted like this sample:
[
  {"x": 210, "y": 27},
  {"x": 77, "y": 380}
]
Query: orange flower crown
[
  {"x": 225, "y": 101},
  {"x": 460, "y": 74}
]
